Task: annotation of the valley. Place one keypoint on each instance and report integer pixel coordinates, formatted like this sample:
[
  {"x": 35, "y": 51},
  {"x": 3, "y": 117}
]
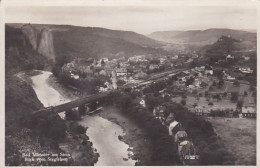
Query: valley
[{"x": 184, "y": 77}]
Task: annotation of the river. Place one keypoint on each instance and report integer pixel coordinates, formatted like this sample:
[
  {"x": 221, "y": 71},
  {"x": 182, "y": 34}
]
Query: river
[{"x": 102, "y": 132}]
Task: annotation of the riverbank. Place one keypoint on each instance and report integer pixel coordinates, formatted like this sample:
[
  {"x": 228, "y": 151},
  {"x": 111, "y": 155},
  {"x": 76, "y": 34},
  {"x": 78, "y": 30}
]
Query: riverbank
[
  {"x": 75, "y": 142},
  {"x": 65, "y": 92},
  {"x": 134, "y": 136}
]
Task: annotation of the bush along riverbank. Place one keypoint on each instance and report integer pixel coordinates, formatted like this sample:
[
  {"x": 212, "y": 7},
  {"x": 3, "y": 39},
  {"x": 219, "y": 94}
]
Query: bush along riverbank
[{"x": 41, "y": 133}]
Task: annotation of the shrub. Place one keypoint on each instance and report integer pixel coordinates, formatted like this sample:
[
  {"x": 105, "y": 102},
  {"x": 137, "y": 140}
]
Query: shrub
[{"x": 183, "y": 102}]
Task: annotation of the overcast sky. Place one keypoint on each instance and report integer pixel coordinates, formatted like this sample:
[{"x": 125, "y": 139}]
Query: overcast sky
[{"x": 141, "y": 19}]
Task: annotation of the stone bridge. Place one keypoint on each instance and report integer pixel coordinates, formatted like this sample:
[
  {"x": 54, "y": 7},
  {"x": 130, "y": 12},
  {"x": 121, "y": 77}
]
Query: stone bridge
[{"x": 75, "y": 103}]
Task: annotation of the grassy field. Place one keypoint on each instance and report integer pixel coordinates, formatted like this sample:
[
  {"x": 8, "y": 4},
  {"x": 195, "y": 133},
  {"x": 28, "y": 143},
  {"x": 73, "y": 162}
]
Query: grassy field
[
  {"x": 239, "y": 137},
  {"x": 202, "y": 102}
]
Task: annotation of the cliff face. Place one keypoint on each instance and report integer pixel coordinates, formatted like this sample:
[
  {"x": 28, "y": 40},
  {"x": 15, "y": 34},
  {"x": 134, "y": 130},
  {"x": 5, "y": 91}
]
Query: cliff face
[
  {"x": 31, "y": 35},
  {"x": 19, "y": 52},
  {"x": 40, "y": 39},
  {"x": 46, "y": 45}
]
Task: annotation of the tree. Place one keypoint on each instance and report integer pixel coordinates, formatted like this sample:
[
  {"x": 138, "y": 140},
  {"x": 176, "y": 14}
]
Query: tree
[
  {"x": 217, "y": 96},
  {"x": 210, "y": 103},
  {"x": 234, "y": 96},
  {"x": 218, "y": 73},
  {"x": 220, "y": 83},
  {"x": 189, "y": 81},
  {"x": 195, "y": 92},
  {"x": 195, "y": 105},
  {"x": 183, "y": 102},
  {"x": 72, "y": 115},
  {"x": 203, "y": 84},
  {"x": 252, "y": 88},
  {"x": 245, "y": 93},
  {"x": 206, "y": 93},
  {"x": 214, "y": 83},
  {"x": 236, "y": 83},
  {"x": 239, "y": 105},
  {"x": 152, "y": 101},
  {"x": 184, "y": 96}
]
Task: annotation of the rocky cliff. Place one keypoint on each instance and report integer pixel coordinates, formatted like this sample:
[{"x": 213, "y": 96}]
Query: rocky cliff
[
  {"x": 46, "y": 45},
  {"x": 31, "y": 35},
  {"x": 40, "y": 39},
  {"x": 19, "y": 50}
]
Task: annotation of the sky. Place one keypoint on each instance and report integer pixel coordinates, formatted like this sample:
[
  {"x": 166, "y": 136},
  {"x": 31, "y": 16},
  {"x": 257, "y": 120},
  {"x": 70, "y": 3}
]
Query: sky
[{"x": 142, "y": 18}]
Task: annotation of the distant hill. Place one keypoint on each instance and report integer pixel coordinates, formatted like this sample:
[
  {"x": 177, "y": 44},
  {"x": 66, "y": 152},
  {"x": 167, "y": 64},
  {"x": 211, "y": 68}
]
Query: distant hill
[
  {"x": 63, "y": 42},
  {"x": 203, "y": 37},
  {"x": 220, "y": 49},
  {"x": 227, "y": 46}
]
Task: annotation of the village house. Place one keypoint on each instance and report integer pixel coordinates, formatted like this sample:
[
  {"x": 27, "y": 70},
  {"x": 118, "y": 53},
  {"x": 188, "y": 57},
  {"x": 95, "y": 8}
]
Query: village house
[
  {"x": 153, "y": 66},
  {"x": 68, "y": 67},
  {"x": 246, "y": 70},
  {"x": 246, "y": 58},
  {"x": 248, "y": 112},
  {"x": 163, "y": 60},
  {"x": 205, "y": 112},
  {"x": 180, "y": 136},
  {"x": 229, "y": 57},
  {"x": 187, "y": 150},
  {"x": 201, "y": 111},
  {"x": 189, "y": 60},
  {"x": 208, "y": 70},
  {"x": 105, "y": 60},
  {"x": 138, "y": 58},
  {"x": 175, "y": 57},
  {"x": 144, "y": 64},
  {"x": 121, "y": 71},
  {"x": 200, "y": 69},
  {"x": 103, "y": 73},
  {"x": 174, "y": 128},
  {"x": 158, "y": 112},
  {"x": 142, "y": 102},
  {"x": 140, "y": 75},
  {"x": 198, "y": 111},
  {"x": 169, "y": 119},
  {"x": 74, "y": 76},
  {"x": 103, "y": 89}
]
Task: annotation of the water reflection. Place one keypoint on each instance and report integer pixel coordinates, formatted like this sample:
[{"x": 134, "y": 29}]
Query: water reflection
[{"x": 104, "y": 134}]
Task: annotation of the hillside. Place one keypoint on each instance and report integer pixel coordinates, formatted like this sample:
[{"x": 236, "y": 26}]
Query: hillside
[
  {"x": 203, "y": 37},
  {"x": 220, "y": 49},
  {"x": 98, "y": 43},
  {"x": 217, "y": 53},
  {"x": 62, "y": 43},
  {"x": 19, "y": 52}
]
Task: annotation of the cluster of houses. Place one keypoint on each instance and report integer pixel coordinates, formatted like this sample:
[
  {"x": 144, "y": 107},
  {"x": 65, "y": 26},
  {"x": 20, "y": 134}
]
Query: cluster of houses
[
  {"x": 186, "y": 149},
  {"x": 246, "y": 70},
  {"x": 199, "y": 74}
]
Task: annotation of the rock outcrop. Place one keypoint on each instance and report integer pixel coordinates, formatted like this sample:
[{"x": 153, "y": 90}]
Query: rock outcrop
[
  {"x": 41, "y": 40},
  {"x": 46, "y": 44},
  {"x": 30, "y": 33}
]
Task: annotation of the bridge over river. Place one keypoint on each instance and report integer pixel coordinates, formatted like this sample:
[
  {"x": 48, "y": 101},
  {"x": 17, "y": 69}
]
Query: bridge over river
[{"x": 81, "y": 102}]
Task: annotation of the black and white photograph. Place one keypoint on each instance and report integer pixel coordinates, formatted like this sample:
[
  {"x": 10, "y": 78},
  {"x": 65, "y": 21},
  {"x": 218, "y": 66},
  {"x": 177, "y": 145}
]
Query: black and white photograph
[{"x": 134, "y": 83}]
